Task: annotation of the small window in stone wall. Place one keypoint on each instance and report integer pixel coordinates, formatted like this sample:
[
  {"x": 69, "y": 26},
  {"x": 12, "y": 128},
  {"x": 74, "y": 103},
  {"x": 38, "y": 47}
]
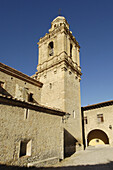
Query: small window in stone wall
[
  {"x": 30, "y": 97},
  {"x": 74, "y": 114},
  {"x": 26, "y": 114},
  {"x": 85, "y": 120},
  {"x": 100, "y": 118},
  {"x": 25, "y": 148},
  {"x": 50, "y": 85}
]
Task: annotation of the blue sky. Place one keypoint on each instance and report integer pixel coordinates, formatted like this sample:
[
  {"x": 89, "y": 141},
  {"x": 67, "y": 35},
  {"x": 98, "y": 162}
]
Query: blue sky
[{"x": 23, "y": 22}]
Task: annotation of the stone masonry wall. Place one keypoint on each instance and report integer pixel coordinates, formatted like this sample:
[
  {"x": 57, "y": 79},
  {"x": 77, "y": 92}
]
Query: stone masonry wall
[
  {"x": 14, "y": 87},
  {"x": 43, "y": 130},
  {"x": 61, "y": 89},
  {"x": 93, "y": 123}
]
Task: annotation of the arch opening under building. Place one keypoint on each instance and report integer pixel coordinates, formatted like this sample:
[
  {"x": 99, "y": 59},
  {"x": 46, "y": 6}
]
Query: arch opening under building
[{"x": 97, "y": 137}]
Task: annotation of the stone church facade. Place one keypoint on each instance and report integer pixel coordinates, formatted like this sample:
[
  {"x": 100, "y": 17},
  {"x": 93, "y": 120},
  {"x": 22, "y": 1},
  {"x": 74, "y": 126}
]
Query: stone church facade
[{"x": 41, "y": 120}]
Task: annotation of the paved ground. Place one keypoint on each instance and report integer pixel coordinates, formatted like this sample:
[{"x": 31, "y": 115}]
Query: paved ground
[{"x": 93, "y": 158}]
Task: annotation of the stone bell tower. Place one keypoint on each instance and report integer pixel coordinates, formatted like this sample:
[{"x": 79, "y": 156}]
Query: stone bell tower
[{"x": 59, "y": 71}]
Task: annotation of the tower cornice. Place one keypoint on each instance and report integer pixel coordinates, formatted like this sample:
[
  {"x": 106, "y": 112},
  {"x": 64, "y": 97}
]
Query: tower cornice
[
  {"x": 57, "y": 61},
  {"x": 59, "y": 29}
]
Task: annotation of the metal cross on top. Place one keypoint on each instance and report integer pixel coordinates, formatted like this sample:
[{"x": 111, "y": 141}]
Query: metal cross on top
[{"x": 59, "y": 12}]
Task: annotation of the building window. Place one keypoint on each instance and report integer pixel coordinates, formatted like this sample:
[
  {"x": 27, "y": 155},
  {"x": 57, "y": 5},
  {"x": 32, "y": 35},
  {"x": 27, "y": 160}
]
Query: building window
[
  {"x": 25, "y": 148},
  {"x": 73, "y": 114},
  {"x": 51, "y": 47},
  {"x": 50, "y": 85},
  {"x": 26, "y": 114},
  {"x": 100, "y": 118},
  {"x": 30, "y": 97},
  {"x": 71, "y": 50},
  {"x": 97, "y": 140},
  {"x": 70, "y": 72},
  {"x": 85, "y": 120}
]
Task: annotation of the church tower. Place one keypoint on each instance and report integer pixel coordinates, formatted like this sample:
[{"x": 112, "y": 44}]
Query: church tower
[{"x": 59, "y": 71}]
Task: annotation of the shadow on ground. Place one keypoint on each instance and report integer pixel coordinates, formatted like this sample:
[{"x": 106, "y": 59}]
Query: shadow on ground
[{"x": 108, "y": 166}]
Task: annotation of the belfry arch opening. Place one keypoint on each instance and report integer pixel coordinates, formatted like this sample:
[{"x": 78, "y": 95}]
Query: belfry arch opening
[
  {"x": 51, "y": 48},
  {"x": 97, "y": 137}
]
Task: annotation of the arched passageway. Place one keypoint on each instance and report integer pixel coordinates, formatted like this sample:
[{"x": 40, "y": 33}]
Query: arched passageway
[{"x": 97, "y": 137}]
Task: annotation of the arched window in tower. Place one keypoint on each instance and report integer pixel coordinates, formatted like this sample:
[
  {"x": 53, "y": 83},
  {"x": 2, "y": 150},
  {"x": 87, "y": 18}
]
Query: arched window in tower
[
  {"x": 51, "y": 48},
  {"x": 71, "y": 50}
]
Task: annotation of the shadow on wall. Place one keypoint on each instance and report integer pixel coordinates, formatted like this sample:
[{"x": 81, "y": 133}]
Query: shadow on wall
[
  {"x": 69, "y": 144},
  {"x": 108, "y": 166},
  {"x": 83, "y": 132},
  {"x": 4, "y": 92}
]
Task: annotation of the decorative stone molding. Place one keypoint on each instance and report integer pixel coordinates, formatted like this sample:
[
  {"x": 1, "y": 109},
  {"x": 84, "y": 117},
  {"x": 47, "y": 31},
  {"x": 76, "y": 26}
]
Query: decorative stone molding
[
  {"x": 62, "y": 29},
  {"x": 56, "y": 60}
]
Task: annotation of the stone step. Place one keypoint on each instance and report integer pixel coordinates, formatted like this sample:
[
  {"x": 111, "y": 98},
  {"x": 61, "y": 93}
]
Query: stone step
[{"x": 45, "y": 162}]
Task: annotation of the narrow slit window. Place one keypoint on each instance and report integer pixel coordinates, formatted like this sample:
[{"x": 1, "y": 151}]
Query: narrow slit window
[
  {"x": 73, "y": 114},
  {"x": 26, "y": 114},
  {"x": 85, "y": 120},
  {"x": 71, "y": 50},
  {"x": 50, "y": 85}
]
